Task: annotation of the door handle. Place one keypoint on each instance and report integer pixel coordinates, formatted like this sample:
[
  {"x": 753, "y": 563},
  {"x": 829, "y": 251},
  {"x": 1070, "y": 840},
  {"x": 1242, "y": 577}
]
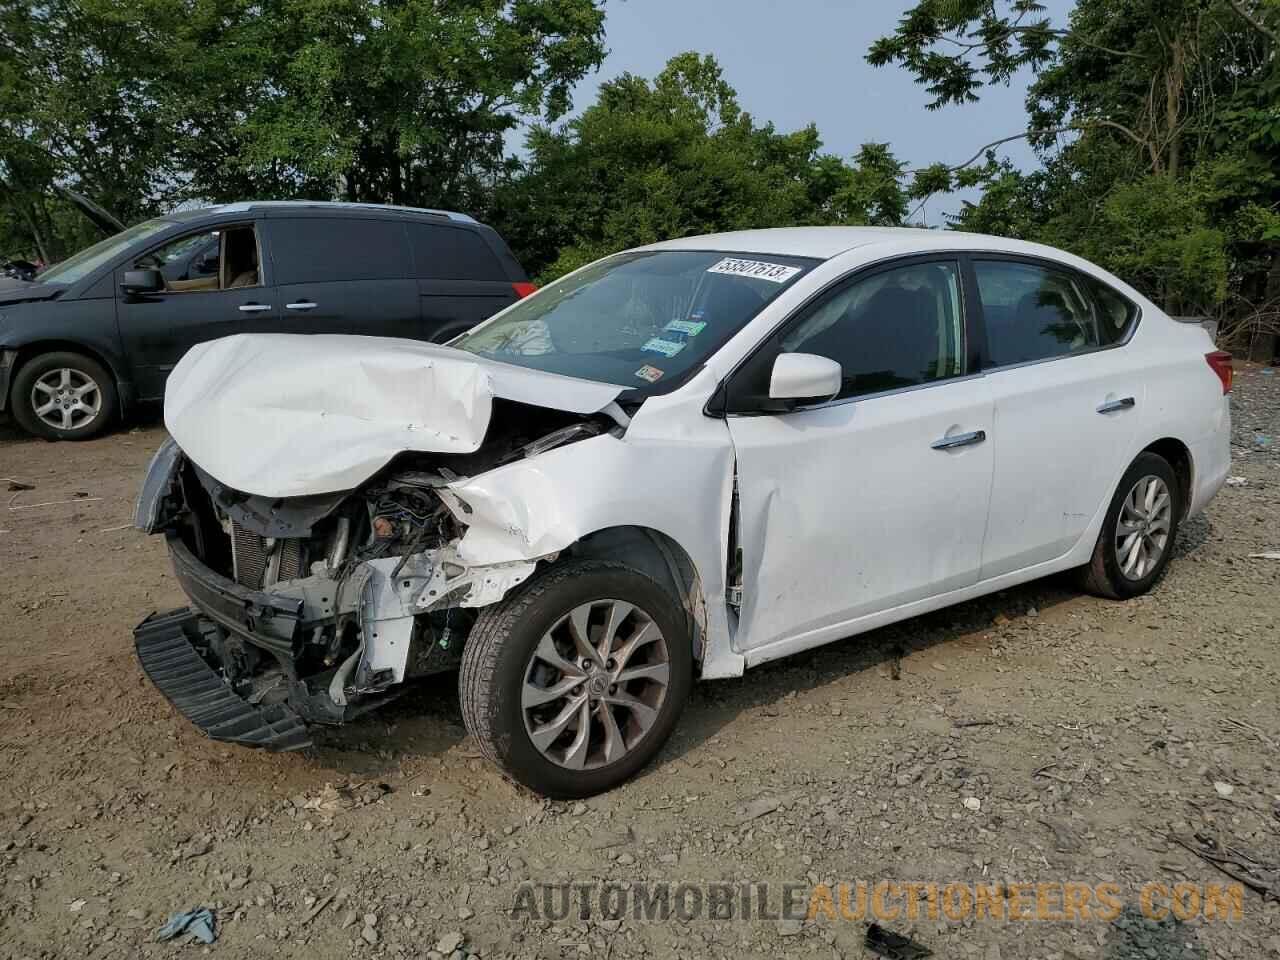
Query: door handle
[
  {"x": 960, "y": 440},
  {"x": 1111, "y": 406},
  {"x": 301, "y": 305},
  {"x": 254, "y": 307}
]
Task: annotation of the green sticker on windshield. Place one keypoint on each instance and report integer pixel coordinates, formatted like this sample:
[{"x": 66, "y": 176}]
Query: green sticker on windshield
[
  {"x": 668, "y": 348},
  {"x": 690, "y": 328}
]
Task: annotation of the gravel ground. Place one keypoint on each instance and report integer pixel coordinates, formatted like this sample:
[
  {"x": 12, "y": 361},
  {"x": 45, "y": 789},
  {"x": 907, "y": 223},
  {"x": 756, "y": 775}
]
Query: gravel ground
[{"x": 1037, "y": 736}]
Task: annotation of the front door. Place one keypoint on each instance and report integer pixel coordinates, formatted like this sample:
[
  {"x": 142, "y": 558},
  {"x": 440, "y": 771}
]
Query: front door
[
  {"x": 878, "y": 498},
  {"x": 199, "y": 304},
  {"x": 1067, "y": 400}
]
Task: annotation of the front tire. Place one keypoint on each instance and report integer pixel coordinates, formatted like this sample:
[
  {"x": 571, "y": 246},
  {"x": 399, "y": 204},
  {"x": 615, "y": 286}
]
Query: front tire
[
  {"x": 574, "y": 681},
  {"x": 1139, "y": 531},
  {"x": 64, "y": 396}
]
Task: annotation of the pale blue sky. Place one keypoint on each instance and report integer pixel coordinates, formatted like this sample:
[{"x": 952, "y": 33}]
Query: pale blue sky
[{"x": 797, "y": 61}]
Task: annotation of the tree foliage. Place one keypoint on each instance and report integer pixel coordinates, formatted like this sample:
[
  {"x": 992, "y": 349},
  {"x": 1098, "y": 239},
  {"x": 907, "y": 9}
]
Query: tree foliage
[
  {"x": 142, "y": 104},
  {"x": 1157, "y": 124},
  {"x": 678, "y": 156}
]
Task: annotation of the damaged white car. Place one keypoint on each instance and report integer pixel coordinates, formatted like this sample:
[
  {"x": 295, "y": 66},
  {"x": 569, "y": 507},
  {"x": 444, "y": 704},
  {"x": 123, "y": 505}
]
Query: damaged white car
[{"x": 679, "y": 461}]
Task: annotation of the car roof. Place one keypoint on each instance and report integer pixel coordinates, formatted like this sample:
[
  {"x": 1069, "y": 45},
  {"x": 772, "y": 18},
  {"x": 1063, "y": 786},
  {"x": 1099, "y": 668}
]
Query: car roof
[
  {"x": 247, "y": 206},
  {"x": 824, "y": 243}
]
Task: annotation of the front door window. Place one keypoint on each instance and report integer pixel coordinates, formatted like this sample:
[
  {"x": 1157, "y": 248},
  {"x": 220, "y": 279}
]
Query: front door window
[{"x": 222, "y": 259}]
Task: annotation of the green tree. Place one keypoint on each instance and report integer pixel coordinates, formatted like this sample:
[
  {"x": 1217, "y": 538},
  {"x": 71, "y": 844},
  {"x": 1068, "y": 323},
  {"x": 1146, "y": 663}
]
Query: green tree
[
  {"x": 675, "y": 157},
  {"x": 140, "y": 104},
  {"x": 1168, "y": 170}
]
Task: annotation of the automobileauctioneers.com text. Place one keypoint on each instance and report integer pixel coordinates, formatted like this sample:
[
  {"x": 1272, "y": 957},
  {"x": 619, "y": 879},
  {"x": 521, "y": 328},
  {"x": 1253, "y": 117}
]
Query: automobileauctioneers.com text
[{"x": 885, "y": 901}]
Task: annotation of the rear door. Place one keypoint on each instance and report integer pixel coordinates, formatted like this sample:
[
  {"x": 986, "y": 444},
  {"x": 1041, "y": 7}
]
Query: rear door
[
  {"x": 1067, "y": 397},
  {"x": 462, "y": 278},
  {"x": 342, "y": 274}
]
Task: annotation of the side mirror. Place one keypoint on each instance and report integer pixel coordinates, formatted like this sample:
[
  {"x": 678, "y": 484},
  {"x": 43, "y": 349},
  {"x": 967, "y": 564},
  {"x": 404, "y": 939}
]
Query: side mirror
[
  {"x": 142, "y": 281},
  {"x": 804, "y": 378}
]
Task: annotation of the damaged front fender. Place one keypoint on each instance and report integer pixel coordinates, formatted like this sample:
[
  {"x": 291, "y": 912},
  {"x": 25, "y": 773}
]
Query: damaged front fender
[{"x": 678, "y": 486}]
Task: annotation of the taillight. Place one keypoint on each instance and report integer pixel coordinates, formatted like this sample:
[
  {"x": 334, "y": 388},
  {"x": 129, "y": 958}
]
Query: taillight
[
  {"x": 1220, "y": 360},
  {"x": 524, "y": 289}
]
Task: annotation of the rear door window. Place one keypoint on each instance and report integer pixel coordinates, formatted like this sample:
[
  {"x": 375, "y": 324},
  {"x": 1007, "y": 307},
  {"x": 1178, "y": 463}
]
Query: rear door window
[
  {"x": 1035, "y": 313},
  {"x": 451, "y": 253},
  {"x": 323, "y": 249}
]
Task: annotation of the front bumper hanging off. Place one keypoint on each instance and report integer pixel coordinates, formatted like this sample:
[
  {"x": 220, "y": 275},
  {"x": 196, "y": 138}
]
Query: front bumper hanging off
[{"x": 166, "y": 646}]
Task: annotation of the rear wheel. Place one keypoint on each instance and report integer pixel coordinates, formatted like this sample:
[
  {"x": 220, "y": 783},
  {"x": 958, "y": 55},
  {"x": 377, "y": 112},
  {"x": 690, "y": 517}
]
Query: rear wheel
[
  {"x": 64, "y": 396},
  {"x": 1138, "y": 534},
  {"x": 574, "y": 681}
]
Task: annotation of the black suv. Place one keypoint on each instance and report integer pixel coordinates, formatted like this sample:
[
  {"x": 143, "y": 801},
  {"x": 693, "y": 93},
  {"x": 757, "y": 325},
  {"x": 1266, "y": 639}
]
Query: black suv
[{"x": 94, "y": 335}]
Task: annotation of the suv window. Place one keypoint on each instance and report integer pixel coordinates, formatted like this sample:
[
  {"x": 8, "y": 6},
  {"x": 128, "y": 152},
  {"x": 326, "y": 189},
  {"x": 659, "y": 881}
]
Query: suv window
[
  {"x": 320, "y": 249},
  {"x": 1035, "y": 313},
  {"x": 451, "y": 253},
  {"x": 899, "y": 328},
  {"x": 220, "y": 259}
]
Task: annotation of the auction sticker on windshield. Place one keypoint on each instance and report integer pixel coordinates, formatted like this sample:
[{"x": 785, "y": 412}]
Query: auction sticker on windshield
[{"x": 755, "y": 269}]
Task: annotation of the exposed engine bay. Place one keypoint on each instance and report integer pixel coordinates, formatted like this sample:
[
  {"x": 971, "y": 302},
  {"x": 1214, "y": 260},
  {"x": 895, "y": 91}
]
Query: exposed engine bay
[{"x": 329, "y": 602}]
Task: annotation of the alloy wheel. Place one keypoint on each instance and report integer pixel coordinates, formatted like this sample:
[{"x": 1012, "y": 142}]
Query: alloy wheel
[
  {"x": 595, "y": 684},
  {"x": 1143, "y": 527},
  {"x": 66, "y": 398}
]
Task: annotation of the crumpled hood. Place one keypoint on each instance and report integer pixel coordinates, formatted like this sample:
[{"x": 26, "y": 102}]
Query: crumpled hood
[{"x": 282, "y": 415}]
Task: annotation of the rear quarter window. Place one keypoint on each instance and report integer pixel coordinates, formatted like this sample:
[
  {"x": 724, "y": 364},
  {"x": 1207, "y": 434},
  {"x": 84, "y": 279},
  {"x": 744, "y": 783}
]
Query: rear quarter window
[
  {"x": 1116, "y": 315},
  {"x": 323, "y": 249},
  {"x": 451, "y": 253}
]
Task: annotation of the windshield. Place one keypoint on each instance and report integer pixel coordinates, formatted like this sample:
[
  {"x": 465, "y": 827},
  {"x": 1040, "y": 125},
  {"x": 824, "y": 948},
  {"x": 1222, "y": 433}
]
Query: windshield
[
  {"x": 89, "y": 259},
  {"x": 641, "y": 320}
]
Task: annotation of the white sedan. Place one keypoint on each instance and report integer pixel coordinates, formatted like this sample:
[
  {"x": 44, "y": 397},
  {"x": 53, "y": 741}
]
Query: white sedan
[{"x": 682, "y": 460}]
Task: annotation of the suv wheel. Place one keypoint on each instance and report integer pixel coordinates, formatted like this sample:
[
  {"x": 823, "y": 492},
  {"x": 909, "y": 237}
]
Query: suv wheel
[
  {"x": 63, "y": 396},
  {"x": 1138, "y": 534},
  {"x": 574, "y": 681}
]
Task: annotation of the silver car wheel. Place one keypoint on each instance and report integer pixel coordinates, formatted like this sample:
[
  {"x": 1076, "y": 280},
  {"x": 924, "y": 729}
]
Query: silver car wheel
[
  {"x": 1142, "y": 530},
  {"x": 66, "y": 398},
  {"x": 595, "y": 684}
]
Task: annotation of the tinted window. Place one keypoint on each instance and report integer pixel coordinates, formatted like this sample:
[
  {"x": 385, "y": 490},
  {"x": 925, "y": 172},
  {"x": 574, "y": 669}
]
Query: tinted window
[
  {"x": 1034, "y": 313},
  {"x": 899, "y": 328},
  {"x": 1115, "y": 314},
  {"x": 452, "y": 253},
  {"x": 318, "y": 249}
]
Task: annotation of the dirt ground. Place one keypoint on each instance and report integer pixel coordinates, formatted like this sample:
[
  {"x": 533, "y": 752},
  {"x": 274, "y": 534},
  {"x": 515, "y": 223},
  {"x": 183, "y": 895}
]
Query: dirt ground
[{"x": 1035, "y": 736}]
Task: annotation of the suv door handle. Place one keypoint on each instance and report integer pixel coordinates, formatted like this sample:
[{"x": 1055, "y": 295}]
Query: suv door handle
[
  {"x": 1111, "y": 406},
  {"x": 960, "y": 440},
  {"x": 254, "y": 307},
  {"x": 301, "y": 305}
]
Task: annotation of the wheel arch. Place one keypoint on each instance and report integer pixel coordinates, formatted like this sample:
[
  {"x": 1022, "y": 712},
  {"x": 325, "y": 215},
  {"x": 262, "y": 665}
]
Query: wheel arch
[
  {"x": 1178, "y": 455},
  {"x": 29, "y": 351},
  {"x": 661, "y": 557}
]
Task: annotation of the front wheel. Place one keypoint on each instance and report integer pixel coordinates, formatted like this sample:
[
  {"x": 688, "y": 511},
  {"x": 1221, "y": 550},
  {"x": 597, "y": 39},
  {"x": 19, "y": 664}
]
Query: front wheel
[
  {"x": 1138, "y": 533},
  {"x": 574, "y": 681},
  {"x": 63, "y": 396}
]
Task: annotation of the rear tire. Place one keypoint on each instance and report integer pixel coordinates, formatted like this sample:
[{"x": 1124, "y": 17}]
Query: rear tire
[
  {"x": 1139, "y": 532},
  {"x": 528, "y": 689},
  {"x": 64, "y": 396}
]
